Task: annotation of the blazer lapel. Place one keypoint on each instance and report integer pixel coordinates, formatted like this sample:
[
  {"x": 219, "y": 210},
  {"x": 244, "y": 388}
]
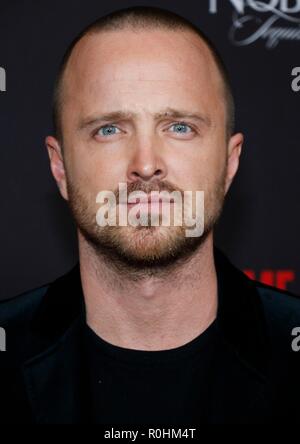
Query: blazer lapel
[
  {"x": 54, "y": 375},
  {"x": 238, "y": 394},
  {"x": 239, "y": 391},
  {"x": 55, "y": 381}
]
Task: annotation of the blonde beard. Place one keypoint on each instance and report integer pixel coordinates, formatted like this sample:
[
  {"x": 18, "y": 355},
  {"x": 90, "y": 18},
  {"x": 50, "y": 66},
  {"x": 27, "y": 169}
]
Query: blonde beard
[{"x": 146, "y": 248}]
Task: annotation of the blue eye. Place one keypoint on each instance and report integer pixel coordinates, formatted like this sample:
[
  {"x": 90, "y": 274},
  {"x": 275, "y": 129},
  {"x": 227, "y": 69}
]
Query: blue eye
[
  {"x": 107, "y": 130},
  {"x": 181, "y": 128}
]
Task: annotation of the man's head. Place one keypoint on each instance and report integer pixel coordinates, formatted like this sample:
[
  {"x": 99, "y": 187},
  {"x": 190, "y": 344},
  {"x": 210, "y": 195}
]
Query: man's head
[{"x": 142, "y": 97}]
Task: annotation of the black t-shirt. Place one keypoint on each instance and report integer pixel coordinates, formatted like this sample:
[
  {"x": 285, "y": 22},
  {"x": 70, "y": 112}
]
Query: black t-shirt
[{"x": 166, "y": 387}]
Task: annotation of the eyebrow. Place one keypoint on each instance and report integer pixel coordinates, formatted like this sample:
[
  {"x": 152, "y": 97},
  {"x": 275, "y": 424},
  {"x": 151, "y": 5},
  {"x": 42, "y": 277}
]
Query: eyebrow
[{"x": 126, "y": 115}]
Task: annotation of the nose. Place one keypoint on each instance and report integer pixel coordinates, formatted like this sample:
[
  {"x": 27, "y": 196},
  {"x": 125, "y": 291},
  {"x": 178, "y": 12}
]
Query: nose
[{"x": 146, "y": 162}]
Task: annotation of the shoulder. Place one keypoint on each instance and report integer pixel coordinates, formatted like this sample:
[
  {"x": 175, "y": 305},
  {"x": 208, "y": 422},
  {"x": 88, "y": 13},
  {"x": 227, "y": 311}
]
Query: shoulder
[
  {"x": 16, "y": 317},
  {"x": 280, "y": 304},
  {"x": 22, "y": 307},
  {"x": 30, "y": 311},
  {"x": 281, "y": 310},
  {"x": 32, "y": 320}
]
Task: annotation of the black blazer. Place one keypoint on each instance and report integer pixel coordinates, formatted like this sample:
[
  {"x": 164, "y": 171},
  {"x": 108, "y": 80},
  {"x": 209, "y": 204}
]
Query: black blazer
[{"x": 255, "y": 376}]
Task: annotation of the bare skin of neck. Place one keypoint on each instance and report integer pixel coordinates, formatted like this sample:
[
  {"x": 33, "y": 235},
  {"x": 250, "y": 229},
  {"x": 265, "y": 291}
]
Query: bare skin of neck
[{"x": 151, "y": 313}]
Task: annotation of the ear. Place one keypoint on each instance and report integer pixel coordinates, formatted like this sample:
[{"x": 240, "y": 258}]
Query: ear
[
  {"x": 233, "y": 155},
  {"x": 57, "y": 164}
]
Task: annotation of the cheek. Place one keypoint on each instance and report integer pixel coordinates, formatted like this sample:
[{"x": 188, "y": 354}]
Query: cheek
[
  {"x": 214, "y": 161},
  {"x": 90, "y": 169},
  {"x": 196, "y": 169},
  {"x": 206, "y": 172}
]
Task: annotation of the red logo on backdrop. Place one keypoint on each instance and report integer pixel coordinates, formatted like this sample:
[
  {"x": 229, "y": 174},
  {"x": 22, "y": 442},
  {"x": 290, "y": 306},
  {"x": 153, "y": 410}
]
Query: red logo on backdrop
[{"x": 276, "y": 278}]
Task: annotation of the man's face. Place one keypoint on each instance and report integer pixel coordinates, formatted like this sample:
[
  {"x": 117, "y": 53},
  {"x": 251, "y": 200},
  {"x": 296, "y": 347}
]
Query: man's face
[{"x": 146, "y": 109}]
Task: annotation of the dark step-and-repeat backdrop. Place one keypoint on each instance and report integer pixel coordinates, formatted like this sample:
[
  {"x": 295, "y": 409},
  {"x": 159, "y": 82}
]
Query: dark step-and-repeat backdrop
[{"x": 260, "y": 43}]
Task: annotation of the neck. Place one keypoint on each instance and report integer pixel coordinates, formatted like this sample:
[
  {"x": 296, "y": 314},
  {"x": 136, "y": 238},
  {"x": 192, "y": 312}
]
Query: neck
[{"x": 145, "y": 313}]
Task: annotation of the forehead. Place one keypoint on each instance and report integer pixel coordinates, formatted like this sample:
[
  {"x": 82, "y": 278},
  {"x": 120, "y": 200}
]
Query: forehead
[{"x": 125, "y": 65}]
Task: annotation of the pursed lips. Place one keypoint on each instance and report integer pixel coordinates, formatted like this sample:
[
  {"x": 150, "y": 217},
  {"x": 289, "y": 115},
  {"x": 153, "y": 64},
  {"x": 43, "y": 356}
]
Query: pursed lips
[{"x": 153, "y": 200}]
